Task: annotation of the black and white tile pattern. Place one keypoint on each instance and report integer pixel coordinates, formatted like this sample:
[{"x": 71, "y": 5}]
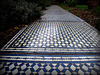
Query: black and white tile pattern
[
  {"x": 44, "y": 35},
  {"x": 72, "y": 45}
]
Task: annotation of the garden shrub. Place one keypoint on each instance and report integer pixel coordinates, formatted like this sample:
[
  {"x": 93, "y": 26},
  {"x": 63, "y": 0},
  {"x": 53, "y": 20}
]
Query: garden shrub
[
  {"x": 21, "y": 11},
  {"x": 44, "y": 3},
  {"x": 18, "y": 12},
  {"x": 71, "y": 2},
  {"x": 27, "y": 11}
]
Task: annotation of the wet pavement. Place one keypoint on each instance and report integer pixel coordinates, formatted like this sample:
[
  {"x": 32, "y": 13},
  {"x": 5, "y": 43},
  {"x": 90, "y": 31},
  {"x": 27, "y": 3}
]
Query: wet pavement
[{"x": 58, "y": 43}]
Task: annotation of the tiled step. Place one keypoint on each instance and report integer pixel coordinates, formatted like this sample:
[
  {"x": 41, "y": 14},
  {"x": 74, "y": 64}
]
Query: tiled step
[
  {"x": 53, "y": 58},
  {"x": 12, "y": 68},
  {"x": 45, "y": 64}
]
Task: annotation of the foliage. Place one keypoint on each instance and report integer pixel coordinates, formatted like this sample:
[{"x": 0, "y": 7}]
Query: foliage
[
  {"x": 98, "y": 10},
  {"x": 64, "y": 7},
  {"x": 71, "y": 2},
  {"x": 84, "y": 7},
  {"x": 18, "y": 12},
  {"x": 82, "y": 2},
  {"x": 21, "y": 11},
  {"x": 44, "y": 3}
]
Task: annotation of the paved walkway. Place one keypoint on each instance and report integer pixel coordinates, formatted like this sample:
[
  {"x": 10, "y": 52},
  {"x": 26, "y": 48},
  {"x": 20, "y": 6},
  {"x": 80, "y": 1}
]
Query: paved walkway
[{"x": 58, "y": 43}]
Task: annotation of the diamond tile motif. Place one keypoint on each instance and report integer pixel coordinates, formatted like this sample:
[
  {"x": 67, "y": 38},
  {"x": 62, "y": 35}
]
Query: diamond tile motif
[
  {"x": 68, "y": 72},
  {"x": 15, "y": 71},
  {"x": 81, "y": 72},
  {"x": 73, "y": 68},
  {"x": 28, "y": 72},
  {"x": 41, "y": 72},
  {"x": 2, "y": 71},
  {"x": 23, "y": 67},
  {"x": 85, "y": 67},
  {"x": 96, "y": 67},
  {"x": 48, "y": 68},
  {"x": 36, "y": 67},
  {"x": 93, "y": 72},
  {"x": 1, "y": 65},
  {"x": 54, "y": 72},
  {"x": 60, "y": 68},
  {"x": 11, "y": 66}
]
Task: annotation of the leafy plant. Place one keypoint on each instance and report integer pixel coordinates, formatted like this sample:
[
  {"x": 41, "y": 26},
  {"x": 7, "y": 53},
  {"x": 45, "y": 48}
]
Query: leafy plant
[
  {"x": 44, "y": 3},
  {"x": 64, "y": 7},
  {"x": 18, "y": 12},
  {"x": 71, "y": 2}
]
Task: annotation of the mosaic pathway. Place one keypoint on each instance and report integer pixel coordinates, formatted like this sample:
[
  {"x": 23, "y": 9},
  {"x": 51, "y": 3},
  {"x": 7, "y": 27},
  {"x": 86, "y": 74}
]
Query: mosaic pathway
[
  {"x": 58, "y": 44},
  {"x": 50, "y": 64}
]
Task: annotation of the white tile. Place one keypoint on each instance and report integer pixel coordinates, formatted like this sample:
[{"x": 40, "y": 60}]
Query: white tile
[
  {"x": 54, "y": 72},
  {"x": 23, "y": 67},
  {"x": 15, "y": 71},
  {"x": 60, "y": 68},
  {"x": 48, "y": 67},
  {"x": 11, "y": 66},
  {"x": 73, "y": 67},
  {"x": 85, "y": 67},
  {"x": 68, "y": 72},
  {"x": 36, "y": 67},
  {"x": 80, "y": 72}
]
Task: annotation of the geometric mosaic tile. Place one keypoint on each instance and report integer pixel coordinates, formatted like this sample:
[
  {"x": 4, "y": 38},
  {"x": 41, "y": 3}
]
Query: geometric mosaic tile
[
  {"x": 60, "y": 69},
  {"x": 55, "y": 13},
  {"x": 58, "y": 31},
  {"x": 71, "y": 36}
]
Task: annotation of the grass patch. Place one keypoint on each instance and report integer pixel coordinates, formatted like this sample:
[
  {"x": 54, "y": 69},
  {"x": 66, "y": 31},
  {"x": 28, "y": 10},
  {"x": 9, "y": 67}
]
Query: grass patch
[{"x": 84, "y": 7}]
